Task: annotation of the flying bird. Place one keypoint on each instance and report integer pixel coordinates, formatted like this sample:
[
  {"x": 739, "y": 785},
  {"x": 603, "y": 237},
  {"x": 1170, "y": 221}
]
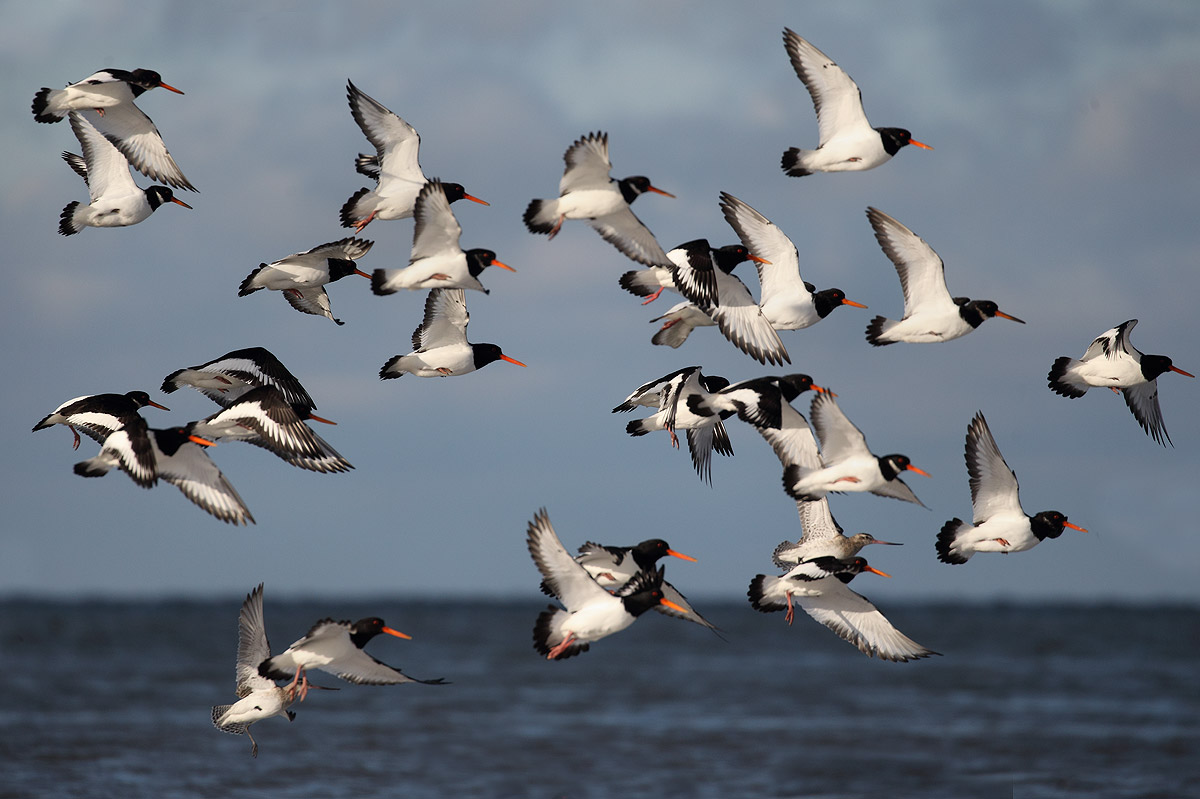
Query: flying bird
[
  {"x": 787, "y": 301},
  {"x": 590, "y": 611},
  {"x": 394, "y": 167},
  {"x": 302, "y": 276},
  {"x": 1113, "y": 362},
  {"x": 819, "y": 586},
  {"x": 823, "y": 537},
  {"x": 681, "y": 320},
  {"x": 98, "y": 415},
  {"x": 258, "y": 697},
  {"x": 848, "y": 143},
  {"x": 106, "y": 98},
  {"x": 930, "y": 314},
  {"x": 178, "y": 457},
  {"x": 437, "y": 261},
  {"x": 587, "y": 191},
  {"x": 848, "y": 465},
  {"x": 337, "y": 647},
  {"x": 115, "y": 200},
  {"x": 705, "y": 276},
  {"x": 1000, "y": 525},
  {"x": 440, "y": 346}
]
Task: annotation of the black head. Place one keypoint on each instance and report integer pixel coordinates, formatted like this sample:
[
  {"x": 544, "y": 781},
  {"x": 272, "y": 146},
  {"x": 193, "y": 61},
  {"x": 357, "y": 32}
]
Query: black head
[
  {"x": 729, "y": 256},
  {"x": 637, "y": 185},
  {"x": 455, "y": 192},
  {"x": 142, "y": 80},
  {"x": 892, "y": 465},
  {"x": 478, "y": 260},
  {"x": 1155, "y": 365},
  {"x": 643, "y": 592},
  {"x": 975, "y": 312},
  {"x": 825, "y": 301},
  {"x": 139, "y": 398},
  {"x": 793, "y": 386},
  {"x": 895, "y": 138},
  {"x": 364, "y": 630},
  {"x": 1050, "y": 524},
  {"x": 487, "y": 353},
  {"x": 157, "y": 195},
  {"x": 713, "y": 383},
  {"x": 169, "y": 440},
  {"x": 342, "y": 267},
  {"x": 648, "y": 553}
]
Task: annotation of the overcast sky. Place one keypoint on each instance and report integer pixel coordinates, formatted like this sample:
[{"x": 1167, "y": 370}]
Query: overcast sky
[{"x": 1063, "y": 185}]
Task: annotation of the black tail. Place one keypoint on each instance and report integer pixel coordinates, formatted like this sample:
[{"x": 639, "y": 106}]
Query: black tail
[
  {"x": 875, "y": 330},
  {"x": 945, "y": 539},
  {"x": 1057, "y": 384},
  {"x": 534, "y": 208},
  {"x": 40, "y": 103},
  {"x": 384, "y": 374},
  {"x": 378, "y": 278},
  {"x": 791, "y": 161},
  {"x": 347, "y": 212},
  {"x": 636, "y": 428},
  {"x": 755, "y": 594},
  {"x": 246, "y": 288},
  {"x": 66, "y": 220}
]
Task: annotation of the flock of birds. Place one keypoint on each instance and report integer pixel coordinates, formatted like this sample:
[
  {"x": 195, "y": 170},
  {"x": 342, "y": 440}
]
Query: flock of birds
[{"x": 602, "y": 589}]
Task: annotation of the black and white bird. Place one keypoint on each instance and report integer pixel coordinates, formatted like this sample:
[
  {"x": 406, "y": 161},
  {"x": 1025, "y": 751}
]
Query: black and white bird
[
  {"x": 614, "y": 567},
  {"x": 587, "y": 191},
  {"x": 302, "y": 276},
  {"x": 848, "y": 143},
  {"x": 98, "y": 415},
  {"x": 705, "y": 276},
  {"x": 591, "y": 612},
  {"x": 227, "y": 380},
  {"x": 258, "y": 697},
  {"x": 178, "y": 457},
  {"x": 819, "y": 587},
  {"x": 264, "y": 418},
  {"x": 1000, "y": 525},
  {"x": 681, "y": 320},
  {"x": 1113, "y": 362},
  {"x": 930, "y": 313},
  {"x": 440, "y": 346},
  {"x": 115, "y": 200},
  {"x": 683, "y": 400},
  {"x": 337, "y": 647},
  {"x": 106, "y": 98},
  {"x": 437, "y": 260},
  {"x": 848, "y": 465},
  {"x": 394, "y": 167}
]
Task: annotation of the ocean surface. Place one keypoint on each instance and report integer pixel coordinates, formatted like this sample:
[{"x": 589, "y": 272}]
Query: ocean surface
[{"x": 112, "y": 699}]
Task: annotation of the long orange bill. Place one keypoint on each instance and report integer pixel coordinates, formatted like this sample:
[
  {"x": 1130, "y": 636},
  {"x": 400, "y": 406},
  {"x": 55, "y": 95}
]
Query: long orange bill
[
  {"x": 502, "y": 266},
  {"x": 660, "y": 191},
  {"x": 873, "y": 570},
  {"x": 474, "y": 199},
  {"x": 922, "y": 145},
  {"x": 680, "y": 555},
  {"x": 758, "y": 260},
  {"x": 853, "y": 303},
  {"x": 156, "y": 405},
  {"x": 1003, "y": 315},
  {"x": 1185, "y": 374},
  {"x": 396, "y": 633},
  {"x": 169, "y": 88},
  {"x": 316, "y": 418},
  {"x": 178, "y": 201},
  {"x": 362, "y": 273},
  {"x": 204, "y": 442},
  {"x": 672, "y": 605},
  {"x": 1074, "y": 527},
  {"x": 511, "y": 360},
  {"x": 912, "y": 468}
]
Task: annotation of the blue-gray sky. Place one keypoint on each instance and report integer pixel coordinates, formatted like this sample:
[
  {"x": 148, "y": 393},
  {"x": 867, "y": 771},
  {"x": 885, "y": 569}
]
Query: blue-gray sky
[{"x": 1063, "y": 186}]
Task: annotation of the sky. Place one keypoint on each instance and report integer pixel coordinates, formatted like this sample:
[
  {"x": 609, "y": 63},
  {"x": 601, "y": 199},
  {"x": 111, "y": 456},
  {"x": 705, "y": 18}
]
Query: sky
[{"x": 1063, "y": 185}]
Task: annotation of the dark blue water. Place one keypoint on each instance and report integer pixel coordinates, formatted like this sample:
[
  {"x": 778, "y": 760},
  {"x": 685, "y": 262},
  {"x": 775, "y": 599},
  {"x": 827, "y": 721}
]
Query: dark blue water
[{"x": 112, "y": 699}]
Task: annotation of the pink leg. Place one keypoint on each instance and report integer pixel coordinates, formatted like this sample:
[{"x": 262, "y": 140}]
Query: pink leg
[{"x": 653, "y": 296}]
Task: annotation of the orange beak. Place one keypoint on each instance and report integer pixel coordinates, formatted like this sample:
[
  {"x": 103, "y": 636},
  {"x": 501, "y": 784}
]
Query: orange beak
[
  {"x": 511, "y": 360},
  {"x": 362, "y": 273},
  {"x": 672, "y": 605},
  {"x": 204, "y": 442},
  {"x": 502, "y": 266},
  {"x": 873, "y": 570},
  {"x": 316, "y": 418},
  {"x": 165, "y": 408},
  {"x": 922, "y": 145},
  {"x": 680, "y": 555},
  {"x": 1180, "y": 371},
  {"x": 822, "y": 390},
  {"x": 912, "y": 468},
  {"x": 473, "y": 199},
  {"x": 169, "y": 88},
  {"x": 853, "y": 303},
  {"x": 660, "y": 191},
  {"x": 1003, "y": 315},
  {"x": 1074, "y": 527},
  {"x": 178, "y": 201},
  {"x": 396, "y": 633},
  {"x": 758, "y": 260}
]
